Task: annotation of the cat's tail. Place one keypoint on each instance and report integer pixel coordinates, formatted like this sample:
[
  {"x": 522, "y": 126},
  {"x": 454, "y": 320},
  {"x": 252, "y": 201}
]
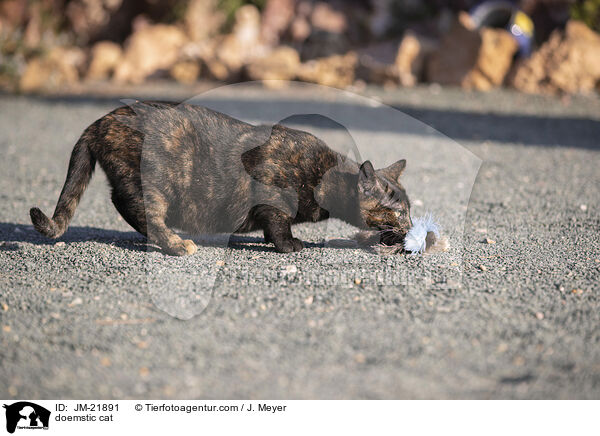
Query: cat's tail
[{"x": 81, "y": 168}]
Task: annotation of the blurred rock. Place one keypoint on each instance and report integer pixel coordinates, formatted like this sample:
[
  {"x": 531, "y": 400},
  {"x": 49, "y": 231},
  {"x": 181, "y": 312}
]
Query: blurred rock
[
  {"x": 217, "y": 70},
  {"x": 186, "y": 72},
  {"x": 322, "y": 30},
  {"x": 105, "y": 56},
  {"x": 276, "y": 18},
  {"x": 203, "y": 19},
  {"x": 281, "y": 64},
  {"x": 568, "y": 62},
  {"x": 337, "y": 71},
  {"x": 247, "y": 25},
  {"x": 13, "y": 14},
  {"x": 235, "y": 50},
  {"x": 376, "y": 63},
  {"x": 300, "y": 28},
  {"x": 89, "y": 18},
  {"x": 149, "y": 50},
  {"x": 204, "y": 53},
  {"x": 322, "y": 44},
  {"x": 324, "y": 17},
  {"x": 59, "y": 67},
  {"x": 496, "y": 53},
  {"x": 473, "y": 59},
  {"x": 412, "y": 56},
  {"x": 33, "y": 31}
]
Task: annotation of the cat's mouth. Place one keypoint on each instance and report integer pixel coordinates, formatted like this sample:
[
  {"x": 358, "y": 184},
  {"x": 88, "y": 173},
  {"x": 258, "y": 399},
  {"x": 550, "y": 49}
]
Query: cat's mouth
[{"x": 392, "y": 235}]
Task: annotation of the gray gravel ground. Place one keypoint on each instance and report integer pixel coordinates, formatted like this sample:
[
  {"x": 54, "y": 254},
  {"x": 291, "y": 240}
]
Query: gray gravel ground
[{"x": 517, "y": 318}]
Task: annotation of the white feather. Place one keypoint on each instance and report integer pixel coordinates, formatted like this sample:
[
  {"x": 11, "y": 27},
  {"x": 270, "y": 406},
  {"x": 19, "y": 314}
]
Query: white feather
[{"x": 415, "y": 240}]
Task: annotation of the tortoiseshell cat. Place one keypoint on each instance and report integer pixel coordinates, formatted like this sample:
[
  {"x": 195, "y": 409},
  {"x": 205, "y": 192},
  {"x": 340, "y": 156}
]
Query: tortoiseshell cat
[{"x": 187, "y": 167}]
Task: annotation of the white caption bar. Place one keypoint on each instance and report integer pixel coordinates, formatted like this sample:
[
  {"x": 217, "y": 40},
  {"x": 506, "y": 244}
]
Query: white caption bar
[{"x": 300, "y": 417}]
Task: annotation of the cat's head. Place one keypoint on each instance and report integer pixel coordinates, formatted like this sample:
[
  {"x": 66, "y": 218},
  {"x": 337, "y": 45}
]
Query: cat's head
[{"x": 384, "y": 205}]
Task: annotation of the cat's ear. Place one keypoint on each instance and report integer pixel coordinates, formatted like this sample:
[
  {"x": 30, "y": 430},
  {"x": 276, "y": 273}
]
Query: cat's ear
[
  {"x": 367, "y": 179},
  {"x": 394, "y": 171}
]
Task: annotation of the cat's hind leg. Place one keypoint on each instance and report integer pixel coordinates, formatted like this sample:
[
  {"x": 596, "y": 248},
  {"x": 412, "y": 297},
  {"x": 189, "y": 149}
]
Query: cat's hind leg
[
  {"x": 132, "y": 210},
  {"x": 158, "y": 232}
]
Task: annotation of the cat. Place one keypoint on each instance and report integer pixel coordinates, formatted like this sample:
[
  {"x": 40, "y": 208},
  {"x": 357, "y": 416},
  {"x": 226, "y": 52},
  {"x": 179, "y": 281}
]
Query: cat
[{"x": 181, "y": 166}]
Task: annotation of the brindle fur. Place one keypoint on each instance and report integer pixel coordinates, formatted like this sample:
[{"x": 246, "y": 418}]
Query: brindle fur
[{"x": 187, "y": 167}]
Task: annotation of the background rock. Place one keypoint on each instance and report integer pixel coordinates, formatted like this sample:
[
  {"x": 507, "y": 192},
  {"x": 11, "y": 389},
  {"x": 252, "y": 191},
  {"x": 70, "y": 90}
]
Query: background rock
[
  {"x": 281, "y": 64},
  {"x": 473, "y": 59},
  {"x": 90, "y": 18},
  {"x": 568, "y": 62},
  {"x": 376, "y": 63},
  {"x": 105, "y": 56},
  {"x": 337, "y": 71},
  {"x": 276, "y": 19},
  {"x": 186, "y": 72},
  {"x": 203, "y": 19},
  {"x": 324, "y": 17},
  {"x": 411, "y": 58},
  {"x": 148, "y": 50},
  {"x": 59, "y": 67},
  {"x": 300, "y": 27},
  {"x": 226, "y": 59}
]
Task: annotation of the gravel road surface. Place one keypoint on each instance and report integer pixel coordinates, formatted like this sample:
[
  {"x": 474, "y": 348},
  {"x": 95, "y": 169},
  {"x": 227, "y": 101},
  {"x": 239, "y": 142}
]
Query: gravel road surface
[{"x": 511, "y": 311}]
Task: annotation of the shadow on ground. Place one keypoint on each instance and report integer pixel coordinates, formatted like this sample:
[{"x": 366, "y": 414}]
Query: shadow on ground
[
  {"x": 459, "y": 125},
  {"x": 12, "y": 234}
]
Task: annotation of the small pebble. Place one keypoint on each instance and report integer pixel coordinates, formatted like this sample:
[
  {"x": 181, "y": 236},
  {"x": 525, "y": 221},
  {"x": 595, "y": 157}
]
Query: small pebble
[
  {"x": 220, "y": 263},
  {"x": 60, "y": 244},
  {"x": 583, "y": 207},
  {"x": 539, "y": 315},
  {"x": 76, "y": 301},
  {"x": 483, "y": 267},
  {"x": 6, "y": 328},
  {"x": 309, "y": 300},
  {"x": 357, "y": 281},
  {"x": 5, "y": 307},
  {"x": 489, "y": 241},
  {"x": 290, "y": 269}
]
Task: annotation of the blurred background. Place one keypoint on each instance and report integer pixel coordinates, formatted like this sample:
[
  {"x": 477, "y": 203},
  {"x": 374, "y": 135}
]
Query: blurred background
[{"x": 534, "y": 46}]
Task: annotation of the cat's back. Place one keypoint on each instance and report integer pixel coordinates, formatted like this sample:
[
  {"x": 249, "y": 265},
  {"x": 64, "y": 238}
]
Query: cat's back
[{"x": 176, "y": 129}]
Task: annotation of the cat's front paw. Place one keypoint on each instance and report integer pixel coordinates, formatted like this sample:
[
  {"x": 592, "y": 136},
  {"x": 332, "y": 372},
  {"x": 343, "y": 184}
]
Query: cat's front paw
[
  {"x": 185, "y": 247},
  {"x": 289, "y": 245}
]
